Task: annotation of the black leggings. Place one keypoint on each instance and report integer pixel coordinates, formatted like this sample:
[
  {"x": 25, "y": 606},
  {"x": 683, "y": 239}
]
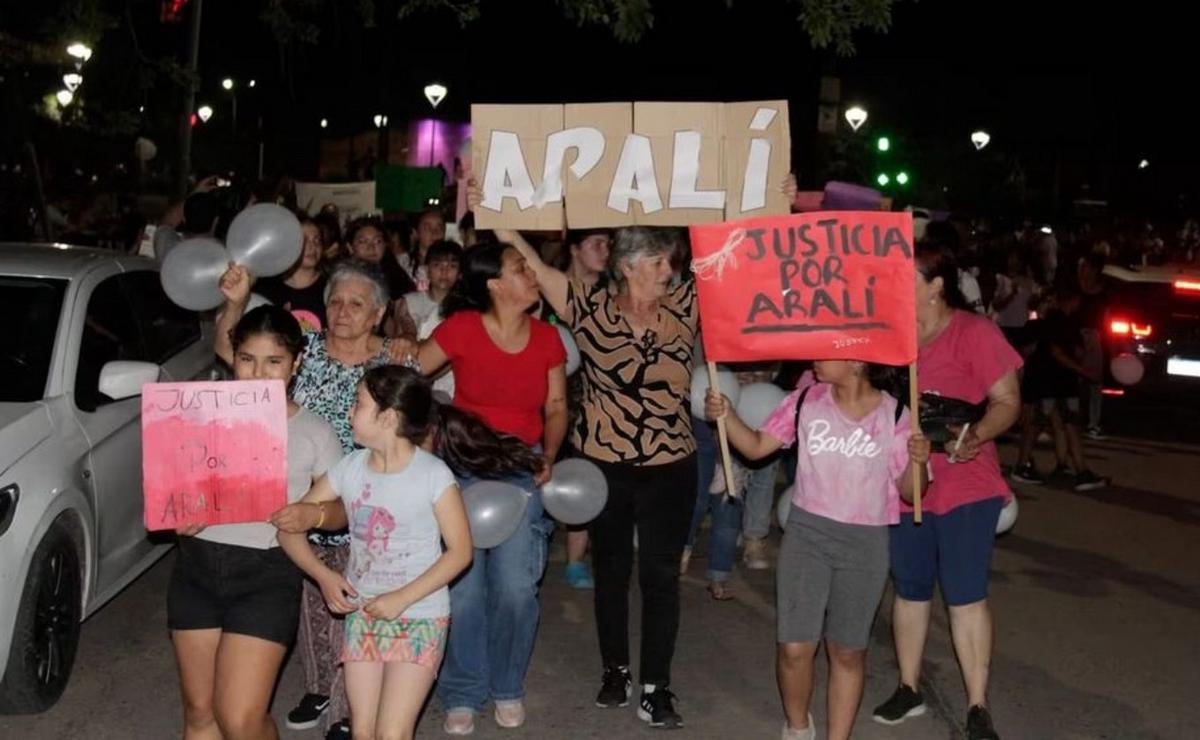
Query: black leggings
[{"x": 658, "y": 500}]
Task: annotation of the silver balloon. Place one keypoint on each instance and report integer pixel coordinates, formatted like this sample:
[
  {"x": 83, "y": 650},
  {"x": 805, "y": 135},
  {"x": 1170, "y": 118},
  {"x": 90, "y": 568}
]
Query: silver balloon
[
  {"x": 1008, "y": 516},
  {"x": 757, "y": 401},
  {"x": 726, "y": 381},
  {"x": 495, "y": 510},
  {"x": 576, "y": 492},
  {"x": 569, "y": 345},
  {"x": 191, "y": 273},
  {"x": 265, "y": 238}
]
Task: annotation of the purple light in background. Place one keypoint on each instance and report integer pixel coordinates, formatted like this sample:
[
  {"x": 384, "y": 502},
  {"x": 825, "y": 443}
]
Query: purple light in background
[{"x": 433, "y": 141}]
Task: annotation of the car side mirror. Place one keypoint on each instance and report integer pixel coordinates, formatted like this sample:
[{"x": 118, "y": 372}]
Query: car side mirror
[{"x": 124, "y": 378}]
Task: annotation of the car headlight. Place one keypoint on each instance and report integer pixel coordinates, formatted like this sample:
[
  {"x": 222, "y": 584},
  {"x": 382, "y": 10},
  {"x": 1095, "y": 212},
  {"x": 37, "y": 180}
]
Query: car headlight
[{"x": 8, "y": 505}]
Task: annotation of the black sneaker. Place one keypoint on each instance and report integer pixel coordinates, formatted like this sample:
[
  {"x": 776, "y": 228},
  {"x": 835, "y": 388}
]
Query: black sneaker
[
  {"x": 658, "y": 708},
  {"x": 1089, "y": 481},
  {"x": 1028, "y": 474},
  {"x": 308, "y": 712},
  {"x": 339, "y": 731},
  {"x": 615, "y": 690},
  {"x": 979, "y": 724},
  {"x": 903, "y": 704}
]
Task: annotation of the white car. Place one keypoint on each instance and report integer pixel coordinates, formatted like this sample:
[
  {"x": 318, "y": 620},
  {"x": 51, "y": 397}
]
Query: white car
[{"x": 82, "y": 331}]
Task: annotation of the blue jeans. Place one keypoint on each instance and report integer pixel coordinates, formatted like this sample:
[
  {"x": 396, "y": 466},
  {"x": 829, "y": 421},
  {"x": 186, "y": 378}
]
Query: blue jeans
[
  {"x": 494, "y": 614},
  {"x": 760, "y": 500},
  {"x": 726, "y": 511}
]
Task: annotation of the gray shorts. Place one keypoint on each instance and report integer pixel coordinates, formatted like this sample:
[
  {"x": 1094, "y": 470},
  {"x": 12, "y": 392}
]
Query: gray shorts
[{"x": 830, "y": 580}]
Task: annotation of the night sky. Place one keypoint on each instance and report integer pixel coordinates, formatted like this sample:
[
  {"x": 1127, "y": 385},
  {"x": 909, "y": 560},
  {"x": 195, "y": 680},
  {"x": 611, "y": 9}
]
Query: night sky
[{"x": 1080, "y": 87}]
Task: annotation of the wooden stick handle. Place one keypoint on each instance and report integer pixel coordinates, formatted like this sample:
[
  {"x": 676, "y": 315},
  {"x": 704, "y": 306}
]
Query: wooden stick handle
[
  {"x": 726, "y": 460},
  {"x": 914, "y": 411}
]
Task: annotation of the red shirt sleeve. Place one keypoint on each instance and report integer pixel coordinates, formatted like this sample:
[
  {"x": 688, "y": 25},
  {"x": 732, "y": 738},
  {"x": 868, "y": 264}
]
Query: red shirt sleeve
[
  {"x": 990, "y": 356},
  {"x": 453, "y": 334}
]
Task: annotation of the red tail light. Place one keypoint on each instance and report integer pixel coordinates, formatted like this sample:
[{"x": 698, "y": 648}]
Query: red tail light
[
  {"x": 1113, "y": 391},
  {"x": 1125, "y": 328},
  {"x": 1187, "y": 286}
]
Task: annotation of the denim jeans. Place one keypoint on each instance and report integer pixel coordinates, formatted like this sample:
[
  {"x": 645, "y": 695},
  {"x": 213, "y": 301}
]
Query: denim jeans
[
  {"x": 494, "y": 614},
  {"x": 726, "y": 511},
  {"x": 759, "y": 496}
]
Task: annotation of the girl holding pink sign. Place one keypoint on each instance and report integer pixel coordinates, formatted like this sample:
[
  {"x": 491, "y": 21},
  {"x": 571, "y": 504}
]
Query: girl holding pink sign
[{"x": 233, "y": 604}]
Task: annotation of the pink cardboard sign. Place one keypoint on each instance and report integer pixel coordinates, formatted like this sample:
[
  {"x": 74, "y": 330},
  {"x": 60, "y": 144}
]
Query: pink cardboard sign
[{"x": 213, "y": 453}]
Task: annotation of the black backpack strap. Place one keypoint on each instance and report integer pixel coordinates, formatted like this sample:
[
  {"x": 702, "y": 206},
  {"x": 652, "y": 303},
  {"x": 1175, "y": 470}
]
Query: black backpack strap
[{"x": 799, "y": 403}]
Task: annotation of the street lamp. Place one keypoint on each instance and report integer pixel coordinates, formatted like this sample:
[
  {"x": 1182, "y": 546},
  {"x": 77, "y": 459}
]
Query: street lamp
[
  {"x": 80, "y": 51},
  {"x": 883, "y": 179},
  {"x": 64, "y": 97},
  {"x": 1143, "y": 164},
  {"x": 227, "y": 83},
  {"x": 324, "y": 123},
  {"x": 980, "y": 139},
  {"x": 380, "y": 120},
  {"x": 251, "y": 83},
  {"x": 72, "y": 80},
  {"x": 435, "y": 93},
  {"x": 901, "y": 178},
  {"x": 883, "y": 144},
  {"x": 856, "y": 116},
  {"x": 205, "y": 112}
]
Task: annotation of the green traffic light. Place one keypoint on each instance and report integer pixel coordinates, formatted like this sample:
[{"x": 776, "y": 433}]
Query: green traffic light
[
  {"x": 883, "y": 143},
  {"x": 902, "y": 178},
  {"x": 882, "y": 179}
]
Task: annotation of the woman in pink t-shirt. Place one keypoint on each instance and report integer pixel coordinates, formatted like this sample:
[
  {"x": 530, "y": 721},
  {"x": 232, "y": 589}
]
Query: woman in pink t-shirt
[
  {"x": 966, "y": 357},
  {"x": 853, "y": 465}
]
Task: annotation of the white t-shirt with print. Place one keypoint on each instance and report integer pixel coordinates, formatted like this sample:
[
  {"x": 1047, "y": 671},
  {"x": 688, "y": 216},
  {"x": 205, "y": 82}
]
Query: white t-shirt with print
[
  {"x": 394, "y": 534},
  {"x": 312, "y": 449}
]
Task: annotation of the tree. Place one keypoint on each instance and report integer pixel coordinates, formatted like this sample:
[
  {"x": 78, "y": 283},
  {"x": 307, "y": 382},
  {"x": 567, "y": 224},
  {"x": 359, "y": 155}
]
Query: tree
[{"x": 829, "y": 24}]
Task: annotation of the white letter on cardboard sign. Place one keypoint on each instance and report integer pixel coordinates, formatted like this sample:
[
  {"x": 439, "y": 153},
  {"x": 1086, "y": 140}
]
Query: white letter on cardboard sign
[
  {"x": 590, "y": 145},
  {"x": 506, "y": 175},
  {"x": 634, "y": 179},
  {"x": 754, "y": 185},
  {"x": 685, "y": 172}
]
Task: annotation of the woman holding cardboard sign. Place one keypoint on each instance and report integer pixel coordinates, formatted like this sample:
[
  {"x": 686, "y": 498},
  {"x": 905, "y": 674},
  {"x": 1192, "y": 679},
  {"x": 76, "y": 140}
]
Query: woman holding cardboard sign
[{"x": 962, "y": 356}]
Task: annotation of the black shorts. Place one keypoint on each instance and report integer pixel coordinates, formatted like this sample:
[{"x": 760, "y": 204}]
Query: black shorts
[{"x": 235, "y": 589}]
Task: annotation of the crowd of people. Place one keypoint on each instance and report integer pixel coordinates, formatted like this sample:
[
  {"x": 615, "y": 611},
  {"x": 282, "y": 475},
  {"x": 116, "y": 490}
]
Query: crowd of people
[{"x": 418, "y": 366}]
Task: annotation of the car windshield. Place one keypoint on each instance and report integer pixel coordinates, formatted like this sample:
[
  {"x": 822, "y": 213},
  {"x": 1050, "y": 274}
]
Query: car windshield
[{"x": 27, "y": 334}]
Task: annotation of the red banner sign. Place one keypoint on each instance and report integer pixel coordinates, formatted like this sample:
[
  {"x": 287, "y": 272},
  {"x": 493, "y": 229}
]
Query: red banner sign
[{"x": 812, "y": 286}]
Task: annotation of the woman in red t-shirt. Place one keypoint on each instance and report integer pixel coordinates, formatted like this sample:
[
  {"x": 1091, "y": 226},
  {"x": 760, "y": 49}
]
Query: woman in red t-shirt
[
  {"x": 509, "y": 371},
  {"x": 965, "y": 356}
]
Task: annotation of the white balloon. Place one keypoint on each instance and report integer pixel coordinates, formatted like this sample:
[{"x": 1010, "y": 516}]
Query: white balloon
[
  {"x": 265, "y": 238},
  {"x": 576, "y": 492},
  {"x": 726, "y": 381},
  {"x": 757, "y": 402},
  {"x": 191, "y": 273},
  {"x": 1008, "y": 516},
  {"x": 784, "y": 508},
  {"x": 569, "y": 345},
  {"x": 1127, "y": 369}
]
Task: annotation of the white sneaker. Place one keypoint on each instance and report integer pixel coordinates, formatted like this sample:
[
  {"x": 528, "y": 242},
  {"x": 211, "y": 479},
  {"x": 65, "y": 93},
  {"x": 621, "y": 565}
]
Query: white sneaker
[
  {"x": 459, "y": 722},
  {"x": 510, "y": 714},
  {"x": 754, "y": 556},
  {"x": 808, "y": 733}
]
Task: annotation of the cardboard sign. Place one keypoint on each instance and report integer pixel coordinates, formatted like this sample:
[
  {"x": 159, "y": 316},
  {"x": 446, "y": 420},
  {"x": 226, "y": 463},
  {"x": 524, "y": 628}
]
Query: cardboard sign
[
  {"x": 812, "y": 286},
  {"x": 352, "y": 199},
  {"x": 617, "y": 164},
  {"x": 213, "y": 453}
]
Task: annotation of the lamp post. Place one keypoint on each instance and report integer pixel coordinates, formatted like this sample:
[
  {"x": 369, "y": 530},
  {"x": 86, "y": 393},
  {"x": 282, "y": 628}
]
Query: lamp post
[
  {"x": 856, "y": 116},
  {"x": 434, "y": 93},
  {"x": 229, "y": 85},
  {"x": 980, "y": 139}
]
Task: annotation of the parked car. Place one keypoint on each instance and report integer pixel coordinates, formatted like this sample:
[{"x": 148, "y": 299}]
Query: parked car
[
  {"x": 83, "y": 330},
  {"x": 1152, "y": 321}
]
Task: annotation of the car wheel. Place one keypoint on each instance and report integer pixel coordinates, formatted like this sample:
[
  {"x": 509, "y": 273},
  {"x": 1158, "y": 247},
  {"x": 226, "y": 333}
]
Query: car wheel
[{"x": 47, "y": 629}]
